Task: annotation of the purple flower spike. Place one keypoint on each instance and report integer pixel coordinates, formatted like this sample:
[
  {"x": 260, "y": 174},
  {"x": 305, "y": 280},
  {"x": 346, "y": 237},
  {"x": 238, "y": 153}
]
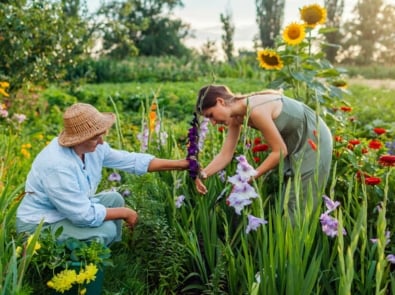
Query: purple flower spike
[
  {"x": 193, "y": 148},
  {"x": 179, "y": 201},
  {"x": 254, "y": 223},
  {"x": 114, "y": 177},
  {"x": 330, "y": 225},
  {"x": 330, "y": 204}
]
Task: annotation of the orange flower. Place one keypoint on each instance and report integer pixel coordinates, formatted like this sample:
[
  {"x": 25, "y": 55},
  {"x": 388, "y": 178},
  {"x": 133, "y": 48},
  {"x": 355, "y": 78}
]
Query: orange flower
[
  {"x": 221, "y": 128},
  {"x": 346, "y": 108},
  {"x": 338, "y": 138},
  {"x": 312, "y": 144},
  {"x": 152, "y": 116}
]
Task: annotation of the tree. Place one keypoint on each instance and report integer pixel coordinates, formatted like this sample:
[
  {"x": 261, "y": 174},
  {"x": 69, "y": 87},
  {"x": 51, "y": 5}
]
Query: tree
[
  {"x": 370, "y": 33},
  {"x": 227, "y": 37},
  {"x": 334, "y": 10},
  {"x": 38, "y": 41},
  {"x": 143, "y": 27},
  {"x": 270, "y": 15}
]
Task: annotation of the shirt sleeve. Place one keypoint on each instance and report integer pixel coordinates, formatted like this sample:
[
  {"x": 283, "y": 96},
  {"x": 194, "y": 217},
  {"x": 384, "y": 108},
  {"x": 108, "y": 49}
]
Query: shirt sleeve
[
  {"x": 136, "y": 163},
  {"x": 65, "y": 194}
]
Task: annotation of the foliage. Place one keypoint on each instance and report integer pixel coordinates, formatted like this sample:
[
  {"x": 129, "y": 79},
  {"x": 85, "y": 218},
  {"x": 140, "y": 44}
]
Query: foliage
[
  {"x": 369, "y": 34},
  {"x": 62, "y": 265},
  {"x": 335, "y": 9},
  {"x": 269, "y": 15},
  {"x": 143, "y": 27},
  {"x": 227, "y": 37},
  {"x": 39, "y": 41}
]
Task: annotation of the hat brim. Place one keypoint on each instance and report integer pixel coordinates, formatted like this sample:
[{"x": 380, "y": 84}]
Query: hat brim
[{"x": 69, "y": 140}]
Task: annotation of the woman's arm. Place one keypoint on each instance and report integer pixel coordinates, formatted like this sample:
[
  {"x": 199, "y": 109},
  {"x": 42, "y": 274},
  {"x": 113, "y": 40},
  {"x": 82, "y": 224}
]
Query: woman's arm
[
  {"x": 263, "y": 121},
  {"x": 224, "y": 157},
  {"x": 158, "y": 164}
]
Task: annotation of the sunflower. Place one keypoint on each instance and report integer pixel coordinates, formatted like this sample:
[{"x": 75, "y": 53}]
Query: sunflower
[
  {"x": 269, "y": 59},
  {"x": 294, "y": 33},
  {"x": 313, "y": 15}
]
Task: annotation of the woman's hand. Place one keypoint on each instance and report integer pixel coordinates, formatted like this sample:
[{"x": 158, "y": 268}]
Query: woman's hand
[
  {"x": 131, "y": 218},
  {"x": 200, "y": 187}
]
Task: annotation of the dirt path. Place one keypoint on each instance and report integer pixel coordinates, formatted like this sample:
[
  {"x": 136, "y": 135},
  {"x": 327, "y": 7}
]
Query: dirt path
[{"x": 374, "y": 83}]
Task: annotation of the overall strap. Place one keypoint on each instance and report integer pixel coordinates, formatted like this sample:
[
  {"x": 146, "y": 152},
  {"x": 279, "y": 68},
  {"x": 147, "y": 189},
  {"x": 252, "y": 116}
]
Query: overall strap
[{"x": 265, "y": 102}]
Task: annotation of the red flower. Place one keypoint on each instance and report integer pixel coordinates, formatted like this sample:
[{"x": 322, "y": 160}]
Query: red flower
[
  {"x": 379, "y": 130},
  {"x": 346, "y": 108},
  {"x": 221, "y": 128},
  {"x": 257, "y": 140},
  {"x": 354, "y": 141},
  {"x": 361, "y": 174},
  {"x": 257, "y": 160},
  {"x": 338, "y": 138},
  {"x": 260, "y": 148},
  {"x": 375, "y": 144},
  {"x": 312, "y": 144},
  {"x": 387, "y": 160},
  {"x": 364, "y": 151},
  {"x": 372, "y": 180}
]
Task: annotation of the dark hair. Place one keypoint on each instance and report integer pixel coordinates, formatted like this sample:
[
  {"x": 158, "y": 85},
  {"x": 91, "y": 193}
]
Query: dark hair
[{"x": 207, "y": 96}]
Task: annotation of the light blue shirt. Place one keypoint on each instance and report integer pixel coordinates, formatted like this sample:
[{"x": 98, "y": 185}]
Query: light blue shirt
[{"x": 60, "y": 186}]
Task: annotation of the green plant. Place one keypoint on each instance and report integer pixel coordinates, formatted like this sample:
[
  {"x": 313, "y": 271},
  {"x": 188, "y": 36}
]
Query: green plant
[{"x": 63, "y": 264}]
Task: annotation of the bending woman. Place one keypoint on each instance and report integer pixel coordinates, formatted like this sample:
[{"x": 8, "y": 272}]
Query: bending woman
[{"x": 292, "y": 130}]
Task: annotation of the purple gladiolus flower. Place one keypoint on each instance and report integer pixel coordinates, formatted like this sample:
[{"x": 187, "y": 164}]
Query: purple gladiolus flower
[
  {"x": 203, "y": 133},
  {"x": 330, "y": 225},
  {"x": 126, "y": 193},
  {"x": 179, "y": 201},
  {"x": 330, "y": 204},
  {"x": 193, "y": 149},
  {"x": 244, "y": 169},
  {"x": 254, "y": 223},
  {"x": 238, "y": 201},
  {"x": 387, "y": 238},
  {"x": 114, "y": 177},
  {"x": 391, "y": 258}
]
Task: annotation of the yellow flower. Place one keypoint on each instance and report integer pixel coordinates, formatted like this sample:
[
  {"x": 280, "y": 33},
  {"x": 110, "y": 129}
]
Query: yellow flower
[
  {"x": 63, "y": 281},
  {"x": 36, "y": 246},
  {"x": 18, "y": 251},
  {"x": 2, "y": 91},
  {"x": 269, "y": 59},
  {"x": 294, "y": 34},
  {"x": 313, "y": 15},
  {"x": 90, "y": 272},
  {"x": 25, "y": 153},
  {"x": 340, "y": 83},
  {"x": 3, "y": 86}
]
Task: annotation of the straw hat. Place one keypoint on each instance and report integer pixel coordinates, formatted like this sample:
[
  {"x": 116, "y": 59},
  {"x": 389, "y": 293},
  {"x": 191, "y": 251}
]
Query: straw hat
[{"x": 83, "y": 121}]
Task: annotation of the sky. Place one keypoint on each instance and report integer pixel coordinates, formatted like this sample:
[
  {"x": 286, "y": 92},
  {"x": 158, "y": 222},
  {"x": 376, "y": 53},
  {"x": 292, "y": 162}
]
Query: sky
[{"x": 204, "y": 18}]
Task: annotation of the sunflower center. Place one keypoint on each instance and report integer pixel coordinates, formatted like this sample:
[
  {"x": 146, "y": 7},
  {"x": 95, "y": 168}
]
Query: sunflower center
[{"x": 270, "y": 60}]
